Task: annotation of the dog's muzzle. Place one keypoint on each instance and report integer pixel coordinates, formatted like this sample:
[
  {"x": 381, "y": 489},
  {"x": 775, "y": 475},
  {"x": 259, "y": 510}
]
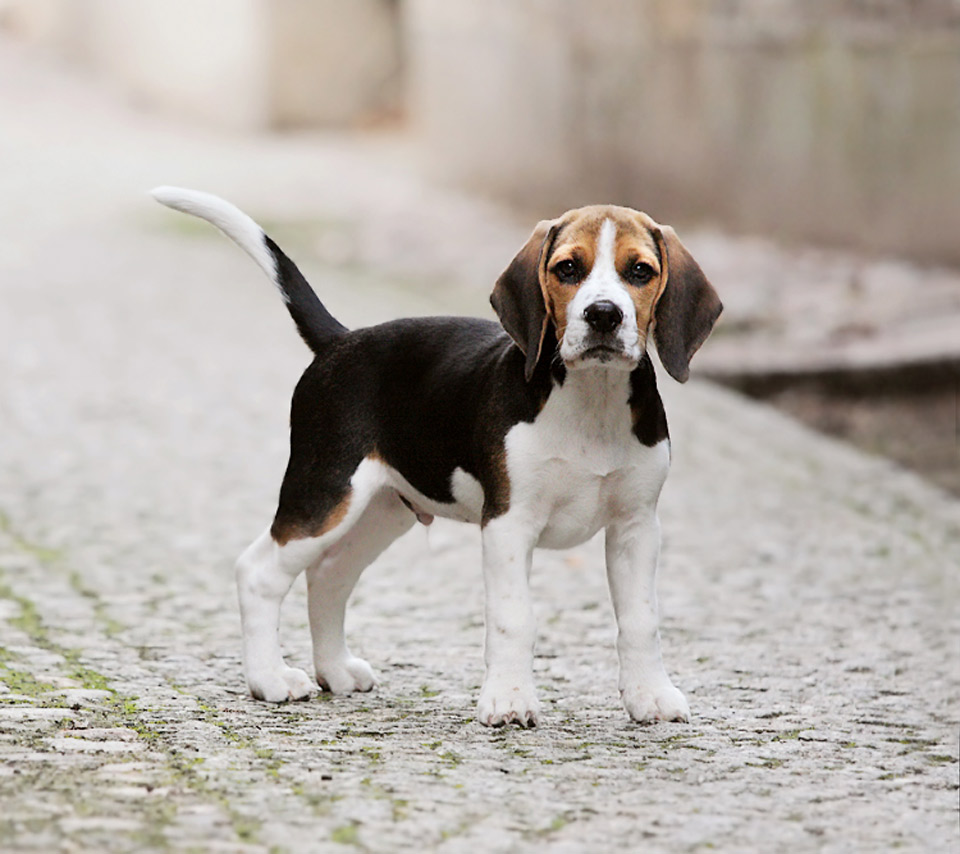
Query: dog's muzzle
[{"x": 602, "y": 342}]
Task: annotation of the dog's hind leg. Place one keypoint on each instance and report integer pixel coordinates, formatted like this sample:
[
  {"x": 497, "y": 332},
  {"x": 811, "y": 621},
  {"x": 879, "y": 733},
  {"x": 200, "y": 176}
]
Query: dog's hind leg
[
  {"x": 333, "y": 537},
  {"x": 331, "y": 580},
  {"x": 265, "y": 572}
]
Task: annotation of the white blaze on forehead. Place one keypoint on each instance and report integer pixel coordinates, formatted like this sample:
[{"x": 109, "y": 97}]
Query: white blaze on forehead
[
  {"x": 606, "y": 249},
  {"x": 603, "y": 282}
]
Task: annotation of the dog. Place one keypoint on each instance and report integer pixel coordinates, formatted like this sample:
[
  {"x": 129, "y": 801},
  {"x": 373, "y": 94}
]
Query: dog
[{"x": 542, "y": 429}]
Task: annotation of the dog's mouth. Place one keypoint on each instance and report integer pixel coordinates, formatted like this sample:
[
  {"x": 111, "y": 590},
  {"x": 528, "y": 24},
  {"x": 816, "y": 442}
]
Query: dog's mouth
[
  {"x": 604, "y": 353},
  {"x": 600, "y": 351}
]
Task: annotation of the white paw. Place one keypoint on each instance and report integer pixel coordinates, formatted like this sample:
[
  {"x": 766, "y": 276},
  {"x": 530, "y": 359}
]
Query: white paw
[
  {"x": 659, "y": 702},
  {"x": 278, "y": 686},
  {"x": 345, "y": 675},
  {"x": 502, "y": 702}
]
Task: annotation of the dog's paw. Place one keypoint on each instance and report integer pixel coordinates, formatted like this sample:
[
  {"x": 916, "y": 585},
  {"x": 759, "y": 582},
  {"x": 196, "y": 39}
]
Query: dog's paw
[
  {"x": 503, "y": 703},
  {"x": 660, "y": 702},
  {"x": 345, "y": 675},
  {"x": 279, "y": 686}
]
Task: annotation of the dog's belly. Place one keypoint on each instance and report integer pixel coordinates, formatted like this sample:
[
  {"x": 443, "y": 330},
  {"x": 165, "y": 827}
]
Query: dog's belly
[{"x": 467, "y": 505}]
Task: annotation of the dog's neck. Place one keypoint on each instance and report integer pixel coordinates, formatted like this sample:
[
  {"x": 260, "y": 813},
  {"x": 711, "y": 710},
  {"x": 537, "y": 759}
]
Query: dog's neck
[
  {"x": 595, "y": 400},
  {"x": 599, "y": 386}
]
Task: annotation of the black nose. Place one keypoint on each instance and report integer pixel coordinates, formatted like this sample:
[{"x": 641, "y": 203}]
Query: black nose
[{"x": 603, "y": 316}]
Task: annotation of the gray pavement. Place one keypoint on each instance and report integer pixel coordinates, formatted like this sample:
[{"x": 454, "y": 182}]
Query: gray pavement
[{"x": 809, "y": 592}]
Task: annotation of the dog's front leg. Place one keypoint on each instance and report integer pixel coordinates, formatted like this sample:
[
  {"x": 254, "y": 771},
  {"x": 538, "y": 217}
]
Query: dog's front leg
[
  {"x": 633, "y": 548},
  {"x": 508, "y": 694}
]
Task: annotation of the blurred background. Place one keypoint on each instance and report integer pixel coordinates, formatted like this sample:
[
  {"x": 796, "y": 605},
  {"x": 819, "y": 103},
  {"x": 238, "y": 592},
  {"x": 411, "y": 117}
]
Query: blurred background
[{"x": 808, "y": 150}]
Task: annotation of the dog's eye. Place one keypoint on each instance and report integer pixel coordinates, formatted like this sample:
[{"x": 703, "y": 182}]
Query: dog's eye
[
  {"x": 640, "y": 273},
  {"x": 567, "y": 272}
]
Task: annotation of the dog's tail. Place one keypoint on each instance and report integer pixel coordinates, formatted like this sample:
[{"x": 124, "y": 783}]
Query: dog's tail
[{"x": 316, "y": 325}]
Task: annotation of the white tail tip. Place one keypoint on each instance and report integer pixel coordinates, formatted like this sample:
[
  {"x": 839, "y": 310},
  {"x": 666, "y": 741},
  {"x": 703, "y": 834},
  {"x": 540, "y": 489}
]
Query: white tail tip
[{"x": 232, "y": 221}]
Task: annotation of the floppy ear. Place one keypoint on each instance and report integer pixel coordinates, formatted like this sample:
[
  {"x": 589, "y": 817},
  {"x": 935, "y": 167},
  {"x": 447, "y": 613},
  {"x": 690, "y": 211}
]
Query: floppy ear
[
  {"x": 686, "y": 310},
  {"x": 518, "y": 299}
]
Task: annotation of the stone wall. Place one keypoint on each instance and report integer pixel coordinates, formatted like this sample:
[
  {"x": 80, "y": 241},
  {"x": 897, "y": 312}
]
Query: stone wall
[
  {"x": 246, "y": 64},
  {"x": 334, "y": 62},
  {"x": 837, "y": 122},
  {"x": 834, "y": 121}
]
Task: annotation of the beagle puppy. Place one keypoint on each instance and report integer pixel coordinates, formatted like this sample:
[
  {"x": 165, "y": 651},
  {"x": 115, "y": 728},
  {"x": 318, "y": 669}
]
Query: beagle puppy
[{"x": 542, "y": 429}]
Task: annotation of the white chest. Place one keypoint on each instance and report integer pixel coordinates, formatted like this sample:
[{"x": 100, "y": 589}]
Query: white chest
[{"x": 578, "y": 466}]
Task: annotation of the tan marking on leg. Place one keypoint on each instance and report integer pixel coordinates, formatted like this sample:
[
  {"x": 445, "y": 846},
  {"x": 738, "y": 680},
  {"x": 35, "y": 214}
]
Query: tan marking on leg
[
  {"x": 498, "y": 502},
  {"x": 303, "y": 530}
]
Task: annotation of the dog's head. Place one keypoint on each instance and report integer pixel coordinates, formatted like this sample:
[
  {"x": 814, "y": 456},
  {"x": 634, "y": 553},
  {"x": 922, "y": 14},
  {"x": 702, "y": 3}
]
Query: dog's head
[{"x": 604, "y": 276}]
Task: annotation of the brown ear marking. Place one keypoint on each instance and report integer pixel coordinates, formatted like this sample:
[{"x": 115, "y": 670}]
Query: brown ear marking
[
  {"x": 518, "y": 299},
  {"x": 686, "y": 310}
]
